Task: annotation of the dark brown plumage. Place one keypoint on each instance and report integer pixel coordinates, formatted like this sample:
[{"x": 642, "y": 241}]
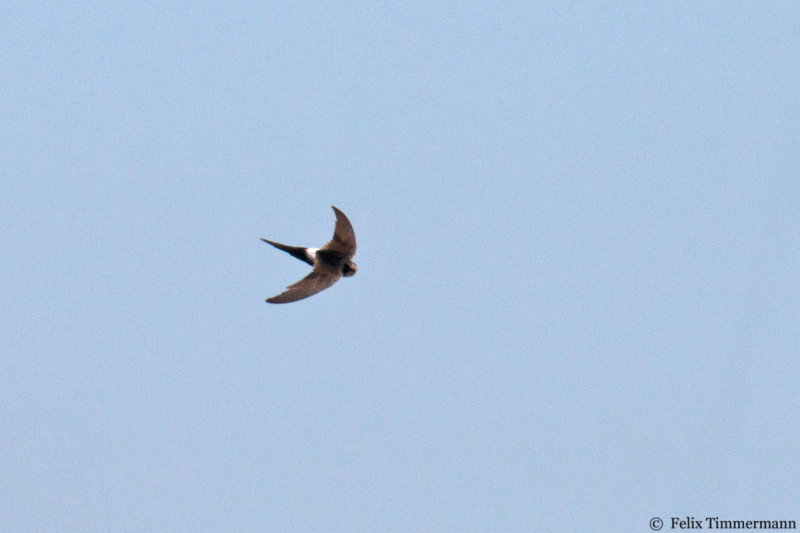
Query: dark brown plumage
[{"x": 331, "y": 262}]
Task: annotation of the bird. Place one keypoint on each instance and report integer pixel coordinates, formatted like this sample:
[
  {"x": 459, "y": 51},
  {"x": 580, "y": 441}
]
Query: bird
[{"x": 331, "y": 262}]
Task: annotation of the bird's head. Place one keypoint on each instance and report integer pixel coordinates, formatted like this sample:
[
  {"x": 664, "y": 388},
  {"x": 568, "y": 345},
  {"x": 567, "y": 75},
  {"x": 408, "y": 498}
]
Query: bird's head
[{"x": 349, "y": 269}]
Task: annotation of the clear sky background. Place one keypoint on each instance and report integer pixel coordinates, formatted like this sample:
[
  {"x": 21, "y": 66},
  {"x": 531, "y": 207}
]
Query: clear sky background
[{"x": 578, "y": 299}]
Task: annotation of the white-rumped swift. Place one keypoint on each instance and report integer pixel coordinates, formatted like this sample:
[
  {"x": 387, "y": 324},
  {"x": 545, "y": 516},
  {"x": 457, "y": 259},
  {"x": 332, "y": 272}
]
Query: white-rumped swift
[{"x": 330, "y": 262}]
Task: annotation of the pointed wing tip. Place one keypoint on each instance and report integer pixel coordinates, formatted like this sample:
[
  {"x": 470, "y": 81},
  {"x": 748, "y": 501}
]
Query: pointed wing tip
[
  {"x": 344, "y": 237},
  {"x": 283, "y": 298}
]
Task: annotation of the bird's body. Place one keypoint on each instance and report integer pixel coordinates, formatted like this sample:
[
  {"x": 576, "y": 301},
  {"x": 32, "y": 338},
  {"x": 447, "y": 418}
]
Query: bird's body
[{"x": 331, "y": 262}]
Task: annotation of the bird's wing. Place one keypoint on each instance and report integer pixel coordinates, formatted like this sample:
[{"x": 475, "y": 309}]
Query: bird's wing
[
  {"x": 344, "y": 238},
  {"x": 318, "y": 280}
]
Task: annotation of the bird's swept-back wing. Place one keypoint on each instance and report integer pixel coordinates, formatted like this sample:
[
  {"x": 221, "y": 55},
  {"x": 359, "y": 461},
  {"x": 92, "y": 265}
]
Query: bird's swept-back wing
[
  {"x": 315, "y": 282},
  {"x": 344, "y": 238}
]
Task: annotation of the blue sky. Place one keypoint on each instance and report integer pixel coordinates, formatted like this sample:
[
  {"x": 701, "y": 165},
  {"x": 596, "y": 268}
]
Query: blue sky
[{"x": 577, "y": 302}]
